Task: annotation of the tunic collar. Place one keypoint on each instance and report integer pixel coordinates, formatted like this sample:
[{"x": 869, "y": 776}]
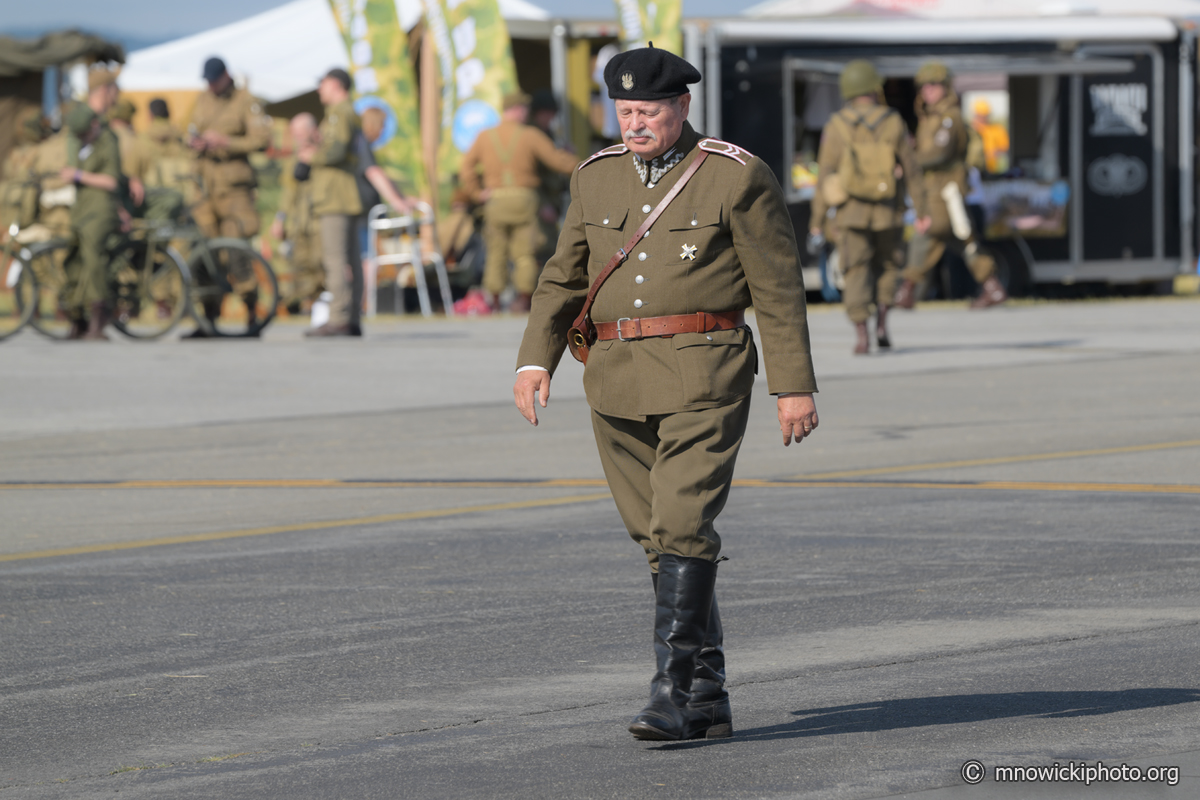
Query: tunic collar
[{"x": 652, "y": 172}]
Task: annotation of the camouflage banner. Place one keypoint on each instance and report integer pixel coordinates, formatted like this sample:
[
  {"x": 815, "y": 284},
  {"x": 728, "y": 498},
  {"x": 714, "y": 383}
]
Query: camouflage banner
[
  {"x": 384, "y": 80},
  {"x": 645, "y": 21},
  {"x": 476, "y": 64}
]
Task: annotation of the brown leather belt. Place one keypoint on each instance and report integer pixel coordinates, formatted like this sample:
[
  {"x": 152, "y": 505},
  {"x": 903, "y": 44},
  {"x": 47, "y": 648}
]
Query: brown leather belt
[{"x": 666, "y": 327}]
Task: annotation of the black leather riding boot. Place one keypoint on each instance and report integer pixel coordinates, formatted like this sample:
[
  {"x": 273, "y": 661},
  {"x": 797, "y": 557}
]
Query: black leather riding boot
[
  {"x": 683, "y": 603},
  {"x": 709, "y": 714}
]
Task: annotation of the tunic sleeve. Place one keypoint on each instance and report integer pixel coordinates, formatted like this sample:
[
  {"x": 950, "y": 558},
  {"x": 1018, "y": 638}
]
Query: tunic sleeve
[{"x": 766, "y": 247}]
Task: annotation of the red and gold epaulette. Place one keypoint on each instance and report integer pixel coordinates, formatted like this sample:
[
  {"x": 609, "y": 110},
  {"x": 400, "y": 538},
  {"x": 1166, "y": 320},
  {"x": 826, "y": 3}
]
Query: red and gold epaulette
[
  {"x": 615, "y": 150},
  {"x": 728, "y": 149}
]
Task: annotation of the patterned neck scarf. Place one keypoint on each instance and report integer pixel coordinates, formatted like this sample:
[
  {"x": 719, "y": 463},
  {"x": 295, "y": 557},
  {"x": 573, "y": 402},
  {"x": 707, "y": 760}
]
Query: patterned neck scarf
[{"x": 652, "y": 171}]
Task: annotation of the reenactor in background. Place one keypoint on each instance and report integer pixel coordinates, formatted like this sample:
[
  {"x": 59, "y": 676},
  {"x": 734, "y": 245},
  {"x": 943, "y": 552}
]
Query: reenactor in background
[
  {"x": 507, "y": 156},
  {"x": 865, "y": 166},
  {"x": 163, "y": 164},
  {"x": 337, "y": 205},
  {"x": 102, "y": 96},
  {"x": 18, "y": 180},
  {"x": 226, "y": 126},
  {"x": 942, "y": 143},
  {"x": 552, "y": 185},
  {"x": 120, "y": 119},
  {"x": 56, "y": 194},
  {"x": 295, "y": 223},
  {"x": 95, "y": 221}
]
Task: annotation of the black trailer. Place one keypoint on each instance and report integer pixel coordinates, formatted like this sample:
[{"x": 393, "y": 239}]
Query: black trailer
[{"x": 1101, "y": 121}]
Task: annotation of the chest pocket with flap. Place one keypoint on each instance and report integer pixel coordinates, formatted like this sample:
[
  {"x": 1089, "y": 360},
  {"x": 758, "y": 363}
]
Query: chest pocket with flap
[{"x": 605, "y": 230}]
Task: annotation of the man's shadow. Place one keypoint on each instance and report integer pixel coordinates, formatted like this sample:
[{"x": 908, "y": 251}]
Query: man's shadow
[{"x": 887, "y": 715}]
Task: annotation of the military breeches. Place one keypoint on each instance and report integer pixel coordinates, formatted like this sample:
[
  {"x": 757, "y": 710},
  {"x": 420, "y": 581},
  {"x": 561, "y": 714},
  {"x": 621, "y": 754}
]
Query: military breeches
[
  {"x": 871, "y": 263},
  {"x": 229, "y": 213},
  {"x": 670, "y": 475},
  {"x": 982, "y": 266},
  {"x": 87, "y": 265},
  {"x": 510, "y": 232},
  {"x": 343, "y": 268}
]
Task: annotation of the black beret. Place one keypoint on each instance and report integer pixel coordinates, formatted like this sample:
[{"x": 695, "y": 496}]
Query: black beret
[{"x": 647, "y": 73}]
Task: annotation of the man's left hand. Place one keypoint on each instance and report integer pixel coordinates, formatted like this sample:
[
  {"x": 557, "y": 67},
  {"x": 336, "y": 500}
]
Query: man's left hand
[{"x": 797, "y": 416}]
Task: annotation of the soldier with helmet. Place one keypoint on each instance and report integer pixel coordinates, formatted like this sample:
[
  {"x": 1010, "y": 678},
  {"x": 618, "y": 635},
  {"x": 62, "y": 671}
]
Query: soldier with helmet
[
  {"x": 700, "y": 232},
  {"x": 865, "y": 167},
  {"x": 942, "y": 143}
]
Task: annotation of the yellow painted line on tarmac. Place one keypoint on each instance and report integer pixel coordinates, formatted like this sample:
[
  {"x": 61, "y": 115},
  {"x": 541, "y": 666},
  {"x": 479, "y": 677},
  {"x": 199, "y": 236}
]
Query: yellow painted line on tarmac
[
  {"x": 301, "y": 526},
  {"x": 984, "y": 462},
  {"x": 1003, "y": 486},
  {"x": 555, "y": 483}
]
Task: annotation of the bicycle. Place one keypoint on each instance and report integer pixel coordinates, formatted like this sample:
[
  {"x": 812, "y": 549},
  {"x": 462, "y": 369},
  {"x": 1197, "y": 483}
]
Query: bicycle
[
  {"x": 148, "y": 281},
  {"x": 18, "y": 291}
]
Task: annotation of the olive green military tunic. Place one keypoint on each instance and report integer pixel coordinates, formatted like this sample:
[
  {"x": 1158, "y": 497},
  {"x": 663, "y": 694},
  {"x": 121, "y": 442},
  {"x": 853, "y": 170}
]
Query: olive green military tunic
[
  {"x": 337, "y": 204},
  {"x": 226, "y": 175},
  {"x": 941, "y": 152},
  {"x": 94, "y": 225},
  {"x": 870, "y": 234},
  {"x": 669, "y": 413}
]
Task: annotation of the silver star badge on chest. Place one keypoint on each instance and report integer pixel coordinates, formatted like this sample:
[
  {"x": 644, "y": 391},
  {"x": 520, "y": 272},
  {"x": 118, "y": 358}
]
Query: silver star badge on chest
[{"x": 689, "y": 252}]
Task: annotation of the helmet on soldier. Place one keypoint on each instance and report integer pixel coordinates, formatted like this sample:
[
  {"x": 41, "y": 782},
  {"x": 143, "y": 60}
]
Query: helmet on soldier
[
  {"x": 932, "y": 72},
  {"x": 860, "y": 77}
]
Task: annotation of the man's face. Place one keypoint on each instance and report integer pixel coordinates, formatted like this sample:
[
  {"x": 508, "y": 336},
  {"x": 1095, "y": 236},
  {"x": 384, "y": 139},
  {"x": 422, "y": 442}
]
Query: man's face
[
  {"x": 222, "y": 83},
  {"x": 932, "y": 93},
  {"x": 544, "y": 118},
  {"x": 650, "y": 127},
  {"x": 302, "y": 132},
  {"x": 331, "y": 91}
]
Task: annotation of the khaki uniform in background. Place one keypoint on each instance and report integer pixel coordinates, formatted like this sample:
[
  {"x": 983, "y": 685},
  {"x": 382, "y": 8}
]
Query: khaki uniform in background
[
  {"x": 336, "y": 203},
  {"x": 165, "y": 165},
  {"x": 508, "y": 156},
  {"x": 941, "y": 152},
  {"x": 18, "y": 188},
  {"x": 57, "y": 195},
  {"x": 227, "y": 206},
  {"x": 870, "y": 240},
  {"x": 94, "y": 225},
  {"x": 679, "y": 403},
  {"x": 301, "y": 230}
]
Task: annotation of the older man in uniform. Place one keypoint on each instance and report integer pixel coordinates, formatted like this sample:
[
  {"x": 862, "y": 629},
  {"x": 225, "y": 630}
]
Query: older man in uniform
[
  {"x": 226, "y": 126},
  {"x": 337, "y": 204},
  {"x": 942, "y": 140},
  {"x": 870, "y": 208},
  {"x": 508, "y": 156},
  {"x": 94, "y": 221},
  {"x": 670, "y": 373}
]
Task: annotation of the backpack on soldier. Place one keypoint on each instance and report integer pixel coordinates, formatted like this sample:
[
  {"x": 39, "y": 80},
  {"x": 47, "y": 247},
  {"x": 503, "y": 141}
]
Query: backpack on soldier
[{"x": 867, "y": 170}]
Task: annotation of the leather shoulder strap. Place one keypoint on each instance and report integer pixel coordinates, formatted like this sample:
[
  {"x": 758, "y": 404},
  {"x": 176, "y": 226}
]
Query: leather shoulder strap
[{"x": 619, "y": 257}]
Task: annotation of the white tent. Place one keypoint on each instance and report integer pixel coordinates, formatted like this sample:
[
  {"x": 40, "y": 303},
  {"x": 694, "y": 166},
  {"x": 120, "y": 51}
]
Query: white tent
[
  {"x": 974, "y": 9},
  {"x": 279, "y": 54}
]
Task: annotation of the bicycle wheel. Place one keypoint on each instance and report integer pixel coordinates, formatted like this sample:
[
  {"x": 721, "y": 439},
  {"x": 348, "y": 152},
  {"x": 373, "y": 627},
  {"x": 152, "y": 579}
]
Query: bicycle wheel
[
  {"x": 234, "y": 290},
  {"x": 45, "y": 261},
  {"x": 18, "y": 295},
  {"x": 150, "y": 290}
]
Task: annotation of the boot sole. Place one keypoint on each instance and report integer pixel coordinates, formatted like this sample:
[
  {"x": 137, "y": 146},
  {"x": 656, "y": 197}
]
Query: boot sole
[{"x": 648, "y": 733}]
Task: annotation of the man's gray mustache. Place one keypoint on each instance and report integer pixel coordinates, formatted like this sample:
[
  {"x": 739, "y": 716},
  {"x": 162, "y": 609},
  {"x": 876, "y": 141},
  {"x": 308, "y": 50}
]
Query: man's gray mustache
[{"x": 643, "y": 133}]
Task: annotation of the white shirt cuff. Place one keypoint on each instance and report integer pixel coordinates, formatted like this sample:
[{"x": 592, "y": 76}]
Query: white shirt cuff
[{"x": 527, "y": 368}]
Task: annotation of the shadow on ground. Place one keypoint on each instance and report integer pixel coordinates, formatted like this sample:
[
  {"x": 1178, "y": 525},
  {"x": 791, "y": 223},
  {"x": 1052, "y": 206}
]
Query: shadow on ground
[{"x": 915, "y": 712}]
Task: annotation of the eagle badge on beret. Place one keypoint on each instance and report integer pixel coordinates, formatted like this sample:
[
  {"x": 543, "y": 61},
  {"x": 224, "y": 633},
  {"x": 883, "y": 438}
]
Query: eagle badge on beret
[{"x": 627, "y": 81}]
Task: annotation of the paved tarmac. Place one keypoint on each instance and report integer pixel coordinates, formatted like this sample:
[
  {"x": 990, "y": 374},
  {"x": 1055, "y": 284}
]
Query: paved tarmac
[{"x": 349, "y": 569}]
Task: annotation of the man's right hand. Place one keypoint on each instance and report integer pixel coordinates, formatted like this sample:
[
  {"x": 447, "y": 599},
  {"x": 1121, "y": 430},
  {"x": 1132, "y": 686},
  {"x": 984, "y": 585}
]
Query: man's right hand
[
  {"x": 529, "y": 383},
  {"x": 922, "y": 224}
]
